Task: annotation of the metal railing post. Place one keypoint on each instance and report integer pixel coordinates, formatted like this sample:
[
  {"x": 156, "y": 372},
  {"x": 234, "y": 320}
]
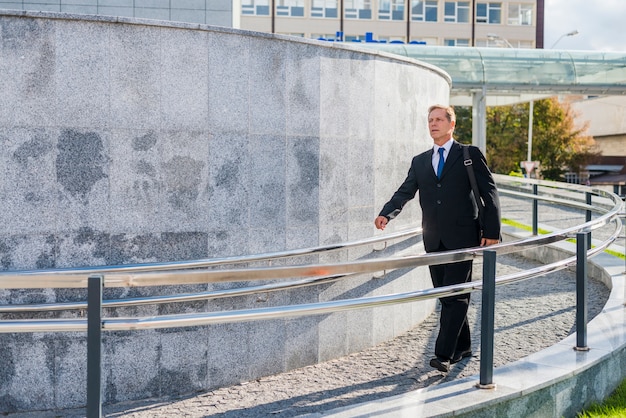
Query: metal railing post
[
  {"x": 94, "y": 346},
  {"x": 622, "y": 219},
  {"x": 581, "y": 291},
  {"x": 588, "y": 215},
  {"x": 487, "y": 320},
  {"x": 535, "y": 211}
]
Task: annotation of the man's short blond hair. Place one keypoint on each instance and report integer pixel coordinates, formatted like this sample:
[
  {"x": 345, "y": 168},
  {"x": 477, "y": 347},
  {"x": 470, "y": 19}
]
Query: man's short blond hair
[{"x": 449, "y": 111}]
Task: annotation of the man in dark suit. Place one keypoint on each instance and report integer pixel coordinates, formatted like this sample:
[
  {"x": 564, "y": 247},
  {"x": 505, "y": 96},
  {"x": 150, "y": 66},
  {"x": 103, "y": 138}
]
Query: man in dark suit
[{"x": 449, "y": 222}]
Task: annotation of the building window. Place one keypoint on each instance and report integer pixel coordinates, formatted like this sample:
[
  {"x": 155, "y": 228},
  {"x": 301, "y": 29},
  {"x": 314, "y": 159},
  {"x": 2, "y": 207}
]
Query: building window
[
  {"x": 520, "y": 14},
  {"x": 457, "y": 11},
  {"x": 499, "y": 43},
  {"x": 358, "y": 9},
  {"x": 424, "y": 11},
  {"x": 324, "y": 8},
  {"x": 391, "y": 9},
  {"x": 255, "y": 7},
  {"x": 573, "y": 178},
  {"x": 397, "y": 9},
  {"x": 525, "y": 44},
  {"x": 489, "y": 13},
  {"x": 290, "y": 8},
  {"x": 490, "y": 43},
  {"x": 456, "y": 42}
]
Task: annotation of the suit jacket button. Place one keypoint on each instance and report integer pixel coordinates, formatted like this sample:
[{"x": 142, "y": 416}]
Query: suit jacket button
[
  {"x": 439, "y": 202},
  {"x": 438, "y": 184}
]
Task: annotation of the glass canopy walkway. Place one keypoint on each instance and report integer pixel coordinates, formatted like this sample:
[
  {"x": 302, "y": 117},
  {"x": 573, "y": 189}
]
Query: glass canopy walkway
[
  {"x": 518, "y": 72},
  {"x": 499, "y": 76}
]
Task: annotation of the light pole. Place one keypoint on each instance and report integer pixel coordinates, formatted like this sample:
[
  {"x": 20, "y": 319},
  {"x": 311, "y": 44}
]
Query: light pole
[
  {"x": 531, "y": 107},
  {"x": 530, "y": 132},
  {"x": 572, "y": 33}
]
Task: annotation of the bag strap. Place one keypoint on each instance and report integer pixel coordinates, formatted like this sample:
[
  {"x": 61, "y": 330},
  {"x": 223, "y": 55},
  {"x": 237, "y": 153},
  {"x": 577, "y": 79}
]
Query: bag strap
[{"x": 467, "y": 161}]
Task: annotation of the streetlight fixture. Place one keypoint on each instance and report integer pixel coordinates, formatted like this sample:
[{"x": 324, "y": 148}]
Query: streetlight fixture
[
  {"x": 494, "y": 37},
  {"x": 572, "y": 33},
  {"x": 531, "y": 107}
]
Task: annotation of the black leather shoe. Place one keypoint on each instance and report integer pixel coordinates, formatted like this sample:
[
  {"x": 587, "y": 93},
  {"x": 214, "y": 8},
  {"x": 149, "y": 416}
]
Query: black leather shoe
[
  {"x": 460, "y": 355},
  {"x": 440, "y": 364}
]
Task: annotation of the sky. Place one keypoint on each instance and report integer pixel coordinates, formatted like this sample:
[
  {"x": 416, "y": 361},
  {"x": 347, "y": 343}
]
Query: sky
[{"x": 601, "y": 24}]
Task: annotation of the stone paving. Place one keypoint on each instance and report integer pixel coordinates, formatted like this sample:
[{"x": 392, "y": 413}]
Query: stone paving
[{"x": 529, "y": 316}]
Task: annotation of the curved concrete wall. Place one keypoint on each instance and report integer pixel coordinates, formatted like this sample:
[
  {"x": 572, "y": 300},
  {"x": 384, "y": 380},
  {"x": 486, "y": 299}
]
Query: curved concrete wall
[{"x": 127, "y": 141}]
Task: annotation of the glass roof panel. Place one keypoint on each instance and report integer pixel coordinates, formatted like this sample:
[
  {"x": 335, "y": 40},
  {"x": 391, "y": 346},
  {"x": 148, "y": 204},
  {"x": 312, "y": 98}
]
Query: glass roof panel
[{"x": 536, "y": 71}]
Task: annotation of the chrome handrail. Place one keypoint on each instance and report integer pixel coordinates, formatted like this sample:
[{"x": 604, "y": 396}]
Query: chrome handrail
[
  {"x": 184, "y": 297},
  {"x": 211, "y": 262},
  {"x": 315, "y": 273},
  {"x": 166, "y": 277},
  {"x": 149, "y": 278},
  {"x": 77, "y": 277},
  {"x": 287, "y": 311}
]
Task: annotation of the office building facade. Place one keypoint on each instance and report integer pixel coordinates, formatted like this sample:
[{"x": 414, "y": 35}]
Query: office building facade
[
  {"x": 210, "y": 12},
  {"x": 506, "y": 23}
]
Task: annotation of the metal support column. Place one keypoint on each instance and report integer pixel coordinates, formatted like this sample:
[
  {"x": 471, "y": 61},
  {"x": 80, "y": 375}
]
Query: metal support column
[
  {"x": 588, "y": 216},
  {"x": 581, "y": 291},
  {"x": 529, "y": 155},
  {"x": 94, "y": 346},
  {"x": 487, "y": 320},
  {"x": 535, "y": 211},
  {"x": 479, "y": 120}
]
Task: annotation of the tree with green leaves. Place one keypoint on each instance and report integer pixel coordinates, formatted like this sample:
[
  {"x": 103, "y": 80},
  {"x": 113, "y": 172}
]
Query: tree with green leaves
[{"x": 557, "y": 144}]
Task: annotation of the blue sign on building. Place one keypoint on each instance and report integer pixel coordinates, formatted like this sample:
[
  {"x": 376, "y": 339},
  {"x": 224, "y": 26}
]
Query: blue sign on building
[{"x": 369, "y": 38}]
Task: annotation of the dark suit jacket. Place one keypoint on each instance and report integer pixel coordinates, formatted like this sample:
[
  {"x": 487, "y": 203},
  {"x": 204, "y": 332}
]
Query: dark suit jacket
[{"x": 449, "y": 212}]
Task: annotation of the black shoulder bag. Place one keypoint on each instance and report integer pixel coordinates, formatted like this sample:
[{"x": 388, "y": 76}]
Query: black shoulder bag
[{"x": 467, "y": 160}]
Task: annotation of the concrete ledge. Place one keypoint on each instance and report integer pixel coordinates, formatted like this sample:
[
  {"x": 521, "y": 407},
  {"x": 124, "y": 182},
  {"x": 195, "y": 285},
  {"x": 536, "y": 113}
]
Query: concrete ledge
[{"x": 558, "y": 381}]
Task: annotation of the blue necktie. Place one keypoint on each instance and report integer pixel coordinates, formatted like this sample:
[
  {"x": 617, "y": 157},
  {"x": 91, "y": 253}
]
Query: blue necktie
[{"x": 441, "y": 161}]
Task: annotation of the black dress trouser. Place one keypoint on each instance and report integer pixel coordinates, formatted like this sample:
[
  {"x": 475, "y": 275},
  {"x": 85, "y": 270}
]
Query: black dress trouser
[{"x": 454, "y": 331}]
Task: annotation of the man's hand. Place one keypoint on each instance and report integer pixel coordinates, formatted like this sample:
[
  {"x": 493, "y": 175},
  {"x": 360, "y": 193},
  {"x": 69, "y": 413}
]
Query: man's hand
[
  {"x": 380, "y": 222},
  {"x": 486, "y": 242}
]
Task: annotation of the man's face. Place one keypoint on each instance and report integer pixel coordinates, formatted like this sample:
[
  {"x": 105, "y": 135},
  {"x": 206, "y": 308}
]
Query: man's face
[{"x": 440, "y": 127}]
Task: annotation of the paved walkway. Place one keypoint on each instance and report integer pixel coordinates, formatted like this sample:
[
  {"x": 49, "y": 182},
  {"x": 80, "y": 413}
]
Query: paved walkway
[{"x": 529, "y": 316}]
